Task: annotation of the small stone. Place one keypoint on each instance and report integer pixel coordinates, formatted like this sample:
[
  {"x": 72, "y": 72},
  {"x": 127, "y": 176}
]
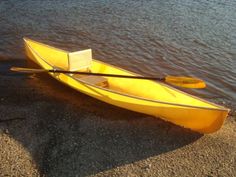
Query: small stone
[{"x": 147, "y": 167}]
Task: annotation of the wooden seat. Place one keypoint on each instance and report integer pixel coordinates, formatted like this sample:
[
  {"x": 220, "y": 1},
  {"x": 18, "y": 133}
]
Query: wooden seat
[
  {"x": 95, "y": 80},
  {"x": 80, "y": 60}
]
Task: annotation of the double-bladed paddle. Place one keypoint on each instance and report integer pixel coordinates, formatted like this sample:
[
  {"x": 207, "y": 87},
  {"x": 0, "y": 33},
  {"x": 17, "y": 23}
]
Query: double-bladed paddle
[{"x": 181, "y": 81}]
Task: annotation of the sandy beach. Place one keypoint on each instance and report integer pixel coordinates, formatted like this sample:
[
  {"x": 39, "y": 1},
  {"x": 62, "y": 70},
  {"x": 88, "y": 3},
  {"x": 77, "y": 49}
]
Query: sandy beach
[{"x": 57, "y": 131}]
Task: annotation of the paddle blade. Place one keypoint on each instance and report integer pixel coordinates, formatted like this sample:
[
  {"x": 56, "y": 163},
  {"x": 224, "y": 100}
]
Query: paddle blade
[
  {"x": 187, "y": 82},
  {"x": 27, "y": 70}
]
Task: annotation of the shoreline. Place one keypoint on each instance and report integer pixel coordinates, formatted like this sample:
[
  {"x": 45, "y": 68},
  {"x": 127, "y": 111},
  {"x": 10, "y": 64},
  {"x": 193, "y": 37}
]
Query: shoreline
[{"x": 61, "y": 132}]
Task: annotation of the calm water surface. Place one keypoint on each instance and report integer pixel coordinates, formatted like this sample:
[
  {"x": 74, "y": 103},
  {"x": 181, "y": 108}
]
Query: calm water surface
[{"x": 151, "y": 37}]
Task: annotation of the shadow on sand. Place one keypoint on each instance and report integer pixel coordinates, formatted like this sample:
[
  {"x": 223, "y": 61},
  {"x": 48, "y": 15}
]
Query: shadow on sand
[{"x": 68, "y": 133}]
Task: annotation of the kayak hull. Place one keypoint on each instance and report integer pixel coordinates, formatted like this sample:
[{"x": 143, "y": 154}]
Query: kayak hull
[{"x": 197, "y": 114}]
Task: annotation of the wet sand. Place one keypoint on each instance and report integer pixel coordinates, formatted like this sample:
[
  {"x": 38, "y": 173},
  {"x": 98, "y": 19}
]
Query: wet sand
[{"x": 60, "y": 132}]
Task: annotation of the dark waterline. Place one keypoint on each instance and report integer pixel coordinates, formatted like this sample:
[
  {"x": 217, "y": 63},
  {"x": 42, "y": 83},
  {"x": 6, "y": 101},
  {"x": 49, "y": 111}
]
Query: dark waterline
[{"x": 155, "y": 38}]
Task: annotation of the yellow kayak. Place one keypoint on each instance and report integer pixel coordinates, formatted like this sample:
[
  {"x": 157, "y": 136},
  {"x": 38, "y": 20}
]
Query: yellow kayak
[{"x": 144, "y": 96}]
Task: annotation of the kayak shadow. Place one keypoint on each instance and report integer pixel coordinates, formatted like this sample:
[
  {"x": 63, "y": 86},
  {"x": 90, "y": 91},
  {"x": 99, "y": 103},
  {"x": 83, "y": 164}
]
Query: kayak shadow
[{"x": 70, "y": 134}]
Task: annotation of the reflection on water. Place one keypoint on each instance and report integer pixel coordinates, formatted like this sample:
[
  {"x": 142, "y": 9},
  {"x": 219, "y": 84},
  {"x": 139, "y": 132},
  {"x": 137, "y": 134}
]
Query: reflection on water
[{"x": 148, "y": 37}]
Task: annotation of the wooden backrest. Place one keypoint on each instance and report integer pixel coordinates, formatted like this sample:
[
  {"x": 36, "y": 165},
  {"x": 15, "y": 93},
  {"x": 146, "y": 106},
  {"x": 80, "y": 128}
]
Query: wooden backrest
[{"x": 79, "y": 60}]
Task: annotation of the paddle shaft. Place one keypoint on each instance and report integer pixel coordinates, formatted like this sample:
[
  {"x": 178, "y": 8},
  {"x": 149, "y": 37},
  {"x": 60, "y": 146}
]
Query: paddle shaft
[
  {"x": 107, "y": 75},
  {"x": 181, "y": 81}
]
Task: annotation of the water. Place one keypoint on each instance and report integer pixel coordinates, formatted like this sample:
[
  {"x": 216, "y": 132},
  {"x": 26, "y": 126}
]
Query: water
[{"x": 151, "y": 37}]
